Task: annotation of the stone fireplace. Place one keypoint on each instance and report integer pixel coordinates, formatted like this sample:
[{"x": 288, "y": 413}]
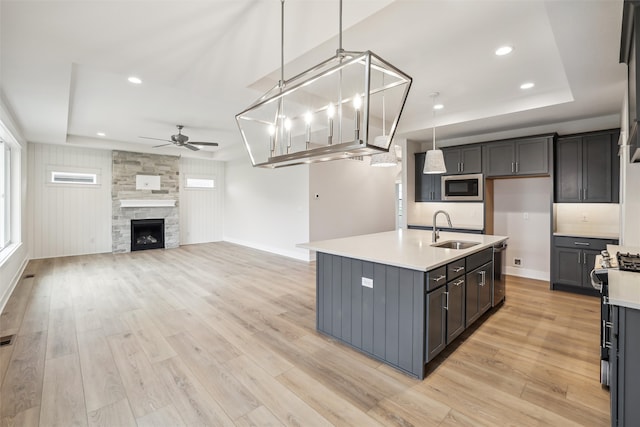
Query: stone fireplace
[{"x": 129, "y": 203}]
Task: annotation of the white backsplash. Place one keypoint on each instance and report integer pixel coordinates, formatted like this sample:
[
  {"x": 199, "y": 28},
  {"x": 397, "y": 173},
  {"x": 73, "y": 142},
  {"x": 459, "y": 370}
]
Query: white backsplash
[
  {"x": 463, "y": 215},
  {"x": 587, "y": 219}
]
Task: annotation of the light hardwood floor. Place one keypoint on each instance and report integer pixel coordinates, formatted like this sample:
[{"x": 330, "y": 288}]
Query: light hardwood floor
[{"x": 218, "y": 334}]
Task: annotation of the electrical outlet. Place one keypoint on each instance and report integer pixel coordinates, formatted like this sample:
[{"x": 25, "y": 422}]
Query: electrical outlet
[
  {"x": 367, "y": 283},
  {"x": 584, "y": 217},
  {"x": 517, "y": 262},
  {"x": 525, "y": 215}
]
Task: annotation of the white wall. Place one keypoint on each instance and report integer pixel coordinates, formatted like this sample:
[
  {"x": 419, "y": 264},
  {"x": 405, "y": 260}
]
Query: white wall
[
  {"x": 201, "y": 210},
  {"x": 14, "y": 258},
  {"x": 267, "y": 209},
  {"x": 68, "y": 220},
  {"x": 529, "y": 239},
  {"x": 352, "y": 198}
]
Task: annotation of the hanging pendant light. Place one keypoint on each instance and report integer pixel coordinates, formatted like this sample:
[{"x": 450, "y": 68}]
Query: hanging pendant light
[
  {"x": 326, "y": 110},
  {"x": 434, "y": 161}
]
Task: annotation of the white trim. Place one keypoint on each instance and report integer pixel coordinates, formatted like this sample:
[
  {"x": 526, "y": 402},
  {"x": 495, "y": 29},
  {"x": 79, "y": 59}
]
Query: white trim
[
  {"x": 298, "y": 254},
  {"x": 527, "y": 273},
  {"x": 6, "y": 254},
  {"x": 148, "y": 203}
]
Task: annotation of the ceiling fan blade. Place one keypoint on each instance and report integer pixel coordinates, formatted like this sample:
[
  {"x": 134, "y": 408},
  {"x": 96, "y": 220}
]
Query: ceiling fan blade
[
  {"x": 190, "y": 147},
  {"x": 162, "y": 145},
  {"x": 207, "y": 144},
  {"x": 157, "y": 139}
]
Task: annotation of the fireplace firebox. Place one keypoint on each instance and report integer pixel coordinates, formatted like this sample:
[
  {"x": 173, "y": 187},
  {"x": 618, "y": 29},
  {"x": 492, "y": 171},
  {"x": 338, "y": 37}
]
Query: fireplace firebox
[{"x": 147, "y": 234}]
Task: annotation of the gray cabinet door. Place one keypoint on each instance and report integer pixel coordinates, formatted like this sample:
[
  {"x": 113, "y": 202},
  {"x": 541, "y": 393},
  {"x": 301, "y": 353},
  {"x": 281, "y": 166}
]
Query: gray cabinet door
[
  {"x": 532, "y": 156},
  {"x": 427, "y": 186},
  {"x": 452, "y": 160},
  {"x": 436, "y": 319},
  {"x": 484, "y": 292},
  {"x": 471, "y": 160},
  {"x": 473, "y": 280},
  {"x": 568, "y": 266},
  {"x": 463, "y": 160},
  {"x": 568, "y": 178},
  {"x": 455, "y": 308},
  {"x": 596, "y": 167},
  {"x": 499, "y": 159}
]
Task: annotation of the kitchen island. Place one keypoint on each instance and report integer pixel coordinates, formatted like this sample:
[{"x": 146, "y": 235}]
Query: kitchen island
[{"x": 399, "y": 299}]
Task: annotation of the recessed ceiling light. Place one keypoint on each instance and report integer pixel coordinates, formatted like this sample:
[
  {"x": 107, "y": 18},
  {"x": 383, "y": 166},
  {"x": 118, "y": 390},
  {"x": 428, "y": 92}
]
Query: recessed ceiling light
[
  {"x": 438, "y": 107},
  {"x": 134, "y": 80},
  {"x": 527, "y": 85},
  {"x": 101, "y": 134},
  {"x": 504, "y": 50}
]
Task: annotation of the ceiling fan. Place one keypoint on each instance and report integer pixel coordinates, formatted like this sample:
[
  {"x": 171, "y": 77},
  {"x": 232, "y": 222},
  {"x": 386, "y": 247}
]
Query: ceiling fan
[{"x": 181, "y": 141}]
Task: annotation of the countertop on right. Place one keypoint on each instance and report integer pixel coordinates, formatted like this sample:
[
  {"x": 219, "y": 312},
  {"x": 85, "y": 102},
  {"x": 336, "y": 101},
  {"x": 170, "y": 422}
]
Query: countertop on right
[{"x": 624, "y": 286}]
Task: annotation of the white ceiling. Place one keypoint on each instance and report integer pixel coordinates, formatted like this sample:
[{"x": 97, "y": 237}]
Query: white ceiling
[{"x": 64, "y": 65}]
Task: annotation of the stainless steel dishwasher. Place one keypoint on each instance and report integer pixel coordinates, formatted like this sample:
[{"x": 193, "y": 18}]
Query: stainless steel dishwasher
[{"x": 498, "y": 278}]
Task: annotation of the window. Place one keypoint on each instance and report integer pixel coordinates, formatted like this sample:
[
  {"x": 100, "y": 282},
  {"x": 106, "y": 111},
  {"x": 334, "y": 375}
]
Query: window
[
  {"x": 73, "y": 178},
  {"x": 205, "y": 183},
  {"x": 5, "y": 194}
]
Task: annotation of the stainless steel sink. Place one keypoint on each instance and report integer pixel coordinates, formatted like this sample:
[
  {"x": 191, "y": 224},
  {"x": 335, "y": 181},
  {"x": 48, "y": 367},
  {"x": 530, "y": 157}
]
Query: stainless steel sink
[{"x": 454, "y": 244}]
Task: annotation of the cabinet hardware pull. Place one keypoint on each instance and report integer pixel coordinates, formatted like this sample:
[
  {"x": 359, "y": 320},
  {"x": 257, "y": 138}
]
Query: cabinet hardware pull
[
  {"x": 582, "y": 243},
  {"x": 585, "y": 194},
  {"x": 517, "y": 166},
  {"x": 604, "y": 325},
  {"x": 579, "y": 193},
  {"x": 512, "y": 168},
  {"x": 459, "y": 282},
  {"x": 461, "y": 166},
  {"x": 446, "y": 304},
  {"x": 437, "y": 279},
  {"x": 482, "y": 276},
  {"x": 458, "y": 269}
]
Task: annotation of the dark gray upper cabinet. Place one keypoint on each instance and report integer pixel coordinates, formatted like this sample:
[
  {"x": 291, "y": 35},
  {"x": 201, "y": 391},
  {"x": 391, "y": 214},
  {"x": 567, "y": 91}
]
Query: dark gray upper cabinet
[
  {"x": 462, "y": 160},
  {"x": 587, "y": 168},
  {"x": 428, "y": 187},
  {"x": 528, "y": 156}
]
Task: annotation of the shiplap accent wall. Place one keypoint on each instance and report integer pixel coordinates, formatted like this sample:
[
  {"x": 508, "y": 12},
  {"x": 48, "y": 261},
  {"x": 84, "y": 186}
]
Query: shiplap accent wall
[
  {"x": 201, "y": 210},
  {"x": 68, "y": 219}
]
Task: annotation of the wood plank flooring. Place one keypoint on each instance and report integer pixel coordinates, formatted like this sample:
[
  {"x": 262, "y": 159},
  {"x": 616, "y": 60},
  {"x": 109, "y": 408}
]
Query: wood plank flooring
[{"x": 222, "y": 335}]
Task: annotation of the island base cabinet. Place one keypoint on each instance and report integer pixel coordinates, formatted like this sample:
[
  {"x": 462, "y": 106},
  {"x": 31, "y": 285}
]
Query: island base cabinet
[
  {"x": 479, "y": 286},
  {"x": 436, "y": 322},
  {"x": 376, "y": 308},
  {"x": 625, "y": 369},
  {"x": 455, "y": 308}
]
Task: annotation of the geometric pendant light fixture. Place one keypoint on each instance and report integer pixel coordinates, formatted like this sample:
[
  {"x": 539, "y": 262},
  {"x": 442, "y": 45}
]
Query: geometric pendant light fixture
[
  {"x": 434, "y": 161},
  {"x": 387, "y": 159},
  {"x": 327, "y": 112}
]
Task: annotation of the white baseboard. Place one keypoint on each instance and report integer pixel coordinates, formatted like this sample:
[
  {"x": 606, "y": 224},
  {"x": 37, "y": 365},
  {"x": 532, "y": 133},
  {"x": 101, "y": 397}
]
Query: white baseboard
[
  {"x": 527, "y": 273},
  {"x": 13, "y": 283},
  {"x": 299, "y": 254}
]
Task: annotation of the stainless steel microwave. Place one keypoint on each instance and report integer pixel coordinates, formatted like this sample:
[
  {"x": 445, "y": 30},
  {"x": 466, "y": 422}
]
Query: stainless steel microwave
[{"x": 463, "y": 188}]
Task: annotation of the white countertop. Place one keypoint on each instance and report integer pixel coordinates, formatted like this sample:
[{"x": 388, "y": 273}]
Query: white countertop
[
  {"x": 408, "y": 248},
  {"x": 624, "y": 286}
]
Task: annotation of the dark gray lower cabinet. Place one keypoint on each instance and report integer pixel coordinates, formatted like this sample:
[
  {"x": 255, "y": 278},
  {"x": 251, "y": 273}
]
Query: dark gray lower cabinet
[
  {"x": 478, "y": 298},
  {"x": 436, "y": 322},
  {"x": 455, "y": 308},
  {"x": 445, "y": 316},
  {"x": 625, "y": 369},
  {"x": 572, "y": 261}
]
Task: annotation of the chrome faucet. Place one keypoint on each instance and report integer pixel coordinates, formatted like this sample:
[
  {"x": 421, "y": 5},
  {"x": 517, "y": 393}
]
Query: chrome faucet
[{"x": 436, "y": 234}]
